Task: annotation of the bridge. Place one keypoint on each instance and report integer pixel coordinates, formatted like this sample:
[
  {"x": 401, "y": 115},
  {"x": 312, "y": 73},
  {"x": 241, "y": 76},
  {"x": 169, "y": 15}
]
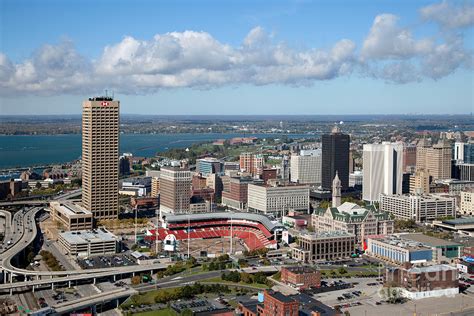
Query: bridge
[{"x": 26, "y": 222}]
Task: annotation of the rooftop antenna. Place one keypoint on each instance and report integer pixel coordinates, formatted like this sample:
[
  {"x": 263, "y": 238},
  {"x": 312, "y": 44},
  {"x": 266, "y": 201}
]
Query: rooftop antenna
[
  {"x": 106, "y": 93},
  {"x": 113, "y": 94}
]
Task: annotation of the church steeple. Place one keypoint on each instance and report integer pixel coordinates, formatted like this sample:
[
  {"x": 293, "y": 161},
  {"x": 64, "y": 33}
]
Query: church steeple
[{"x": 336, "y": 191}]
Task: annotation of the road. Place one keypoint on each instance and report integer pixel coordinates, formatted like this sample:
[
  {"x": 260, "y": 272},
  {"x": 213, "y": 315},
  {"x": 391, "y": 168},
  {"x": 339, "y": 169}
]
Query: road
[
  {"x": 93, "y": 300},
  {"x": 60, "y": 197}
]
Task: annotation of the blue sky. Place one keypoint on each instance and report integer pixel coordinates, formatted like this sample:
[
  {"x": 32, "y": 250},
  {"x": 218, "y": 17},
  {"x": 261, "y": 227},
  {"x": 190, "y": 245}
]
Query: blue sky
[{"x": 238, "y": 57}]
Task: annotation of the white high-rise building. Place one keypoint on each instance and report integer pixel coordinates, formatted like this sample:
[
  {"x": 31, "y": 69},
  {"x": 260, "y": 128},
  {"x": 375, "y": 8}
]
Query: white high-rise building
[
  {"x": 382, "y": 170},
  {"x": 305, "y": 168},
  {"x": 459, "y": 151}
]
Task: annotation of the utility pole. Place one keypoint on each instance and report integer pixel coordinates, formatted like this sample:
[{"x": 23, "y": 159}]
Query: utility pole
[
  {"x": 189, "y": 227},
  {"x": 136, "y": 211},
  {"x": 156, "y": 234},
  {"x": 231, "y": 233}
]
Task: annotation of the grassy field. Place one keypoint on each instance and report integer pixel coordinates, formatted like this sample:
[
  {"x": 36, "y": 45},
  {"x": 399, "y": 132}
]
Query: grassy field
[
  {"x": 219, "y": 280},
  {"x": 327, "y": 274},
  {"x": 163, "y": 312}
]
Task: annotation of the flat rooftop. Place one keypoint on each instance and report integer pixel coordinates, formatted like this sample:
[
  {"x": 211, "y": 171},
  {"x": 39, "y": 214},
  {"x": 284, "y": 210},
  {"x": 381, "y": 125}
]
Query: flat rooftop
[
  {"x": 409, "y": 245},
  {"x": 435, "y": 268},
  {"x": 70, "y": 208},
  {"x": 280, "y": 297},
  {"x": 88, "y": 236},
  {"x": 301, "y": 269},
  {"x": 460, "y": 221},
  {"x": 428, "y": 240},
  {"x": 328, "y": 234}
]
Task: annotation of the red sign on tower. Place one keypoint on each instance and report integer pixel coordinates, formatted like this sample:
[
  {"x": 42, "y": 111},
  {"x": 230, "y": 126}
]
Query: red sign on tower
[{"x": 105, "y": 103}]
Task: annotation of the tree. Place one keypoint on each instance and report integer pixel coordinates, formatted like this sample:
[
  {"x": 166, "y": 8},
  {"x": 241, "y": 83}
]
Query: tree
[
  {"x": 342, "y": 270},
  {"x": 324, "y": 204},
  {"x": 136, "y": 280},
  {"x": 191, "y": 261},
  {"x": 260, "y": 278},
  {"x": 187, "y": 292},
  {"x": 246, "y": 278}
]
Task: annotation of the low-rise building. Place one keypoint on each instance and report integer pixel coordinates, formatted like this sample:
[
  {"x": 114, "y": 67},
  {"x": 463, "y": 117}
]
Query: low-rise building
[
  {"x": 278, "y": 199},
  {"x": 466, "y": 206},
  {"x": 208, "y": 165},
  {"x": 353, "y": 219},
  {"x": 356, "y": 179},
  {"x": 395, "y": 250},
  {"x": 444, "y": 250},
  {"x": 71, "y": 216},
  {"x": 413, "y": 248},
  {"x": 420, "y": 208},
  {"x": 464, "y": 226},
  {"x": 135, "y": 186},
  {"x": 278, "y": 304},
  {"x": 423, "y": 282},
  {"x": 9, "y": 188},
  {"x": 301, "y": 277},
  {"x": 451, "y": 186},
  {"x": 325, "y": 246},
  {"x": 235, "y": 194},
  {"x": 85, "y": 243}
]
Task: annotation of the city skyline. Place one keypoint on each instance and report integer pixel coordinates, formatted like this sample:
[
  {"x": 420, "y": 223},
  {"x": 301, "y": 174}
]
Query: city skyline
[{"x": 294, "y": 57}]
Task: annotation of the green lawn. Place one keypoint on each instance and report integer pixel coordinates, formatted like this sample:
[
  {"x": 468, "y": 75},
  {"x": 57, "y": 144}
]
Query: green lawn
[
  {"x": 219, "y": 280},
  {"x": 162, "y": 312},
  {"x": 328, "y": 274}
]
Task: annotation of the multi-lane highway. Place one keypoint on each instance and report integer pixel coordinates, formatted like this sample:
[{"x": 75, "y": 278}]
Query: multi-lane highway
[
  {"x": 24, "y": 226},
  {"x": 64, "y": 196}
]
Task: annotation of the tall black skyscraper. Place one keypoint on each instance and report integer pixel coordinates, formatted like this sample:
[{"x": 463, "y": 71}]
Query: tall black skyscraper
[{"x": 335, "y": 157}]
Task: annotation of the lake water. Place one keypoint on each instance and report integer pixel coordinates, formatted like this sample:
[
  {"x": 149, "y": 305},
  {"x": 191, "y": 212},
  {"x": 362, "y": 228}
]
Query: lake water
[{"x": 25, "y": 151}]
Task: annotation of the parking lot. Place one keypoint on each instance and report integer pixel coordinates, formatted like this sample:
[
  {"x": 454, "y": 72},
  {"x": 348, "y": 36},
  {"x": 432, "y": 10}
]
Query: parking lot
[
  {"x": 117, "y": 260},
  {"x": 366, "y": 289}
]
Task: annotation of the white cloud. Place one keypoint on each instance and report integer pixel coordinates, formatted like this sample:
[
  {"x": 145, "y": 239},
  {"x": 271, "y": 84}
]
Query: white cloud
[
  {"x": 177, "y": 59},
  {"x": 396, "y": 72},
  {"x": 445, "y": 59},
  {"x": 387, "y": 40},
  {"x": 449, "y": 15},
  {"x": 197, "y": 60}
]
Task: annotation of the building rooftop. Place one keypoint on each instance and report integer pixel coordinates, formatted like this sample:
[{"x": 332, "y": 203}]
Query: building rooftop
[
  {"x": 428, "y": 240},
  {"x": 70, "y": 208},
  {"x": 174, "y": 168},
  {"x": 309, "y": 305},
  {"x": 434, "y": 268},
  {"x": 353, "y": 213},
  {"x": 460, "y": 221},
  {"x": 328, "y": 234},
  {"x": 280, "y": 297},
  {"x": 301, "y": 269},
  {"x": 395, "y": 240},
  {"x": 87, "y": 236},
  {"x": 436, "y": 197}
]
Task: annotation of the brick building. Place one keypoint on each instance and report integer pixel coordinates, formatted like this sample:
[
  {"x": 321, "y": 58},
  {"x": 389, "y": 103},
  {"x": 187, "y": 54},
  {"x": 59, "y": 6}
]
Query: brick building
[
  {"x": 269, "y": 174},
  {"x": 235, "y": 194},
  {"x": 301, "y": 277},
  {"x": 422, "y": 282},
  {"x": 277, "y": 304}
]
